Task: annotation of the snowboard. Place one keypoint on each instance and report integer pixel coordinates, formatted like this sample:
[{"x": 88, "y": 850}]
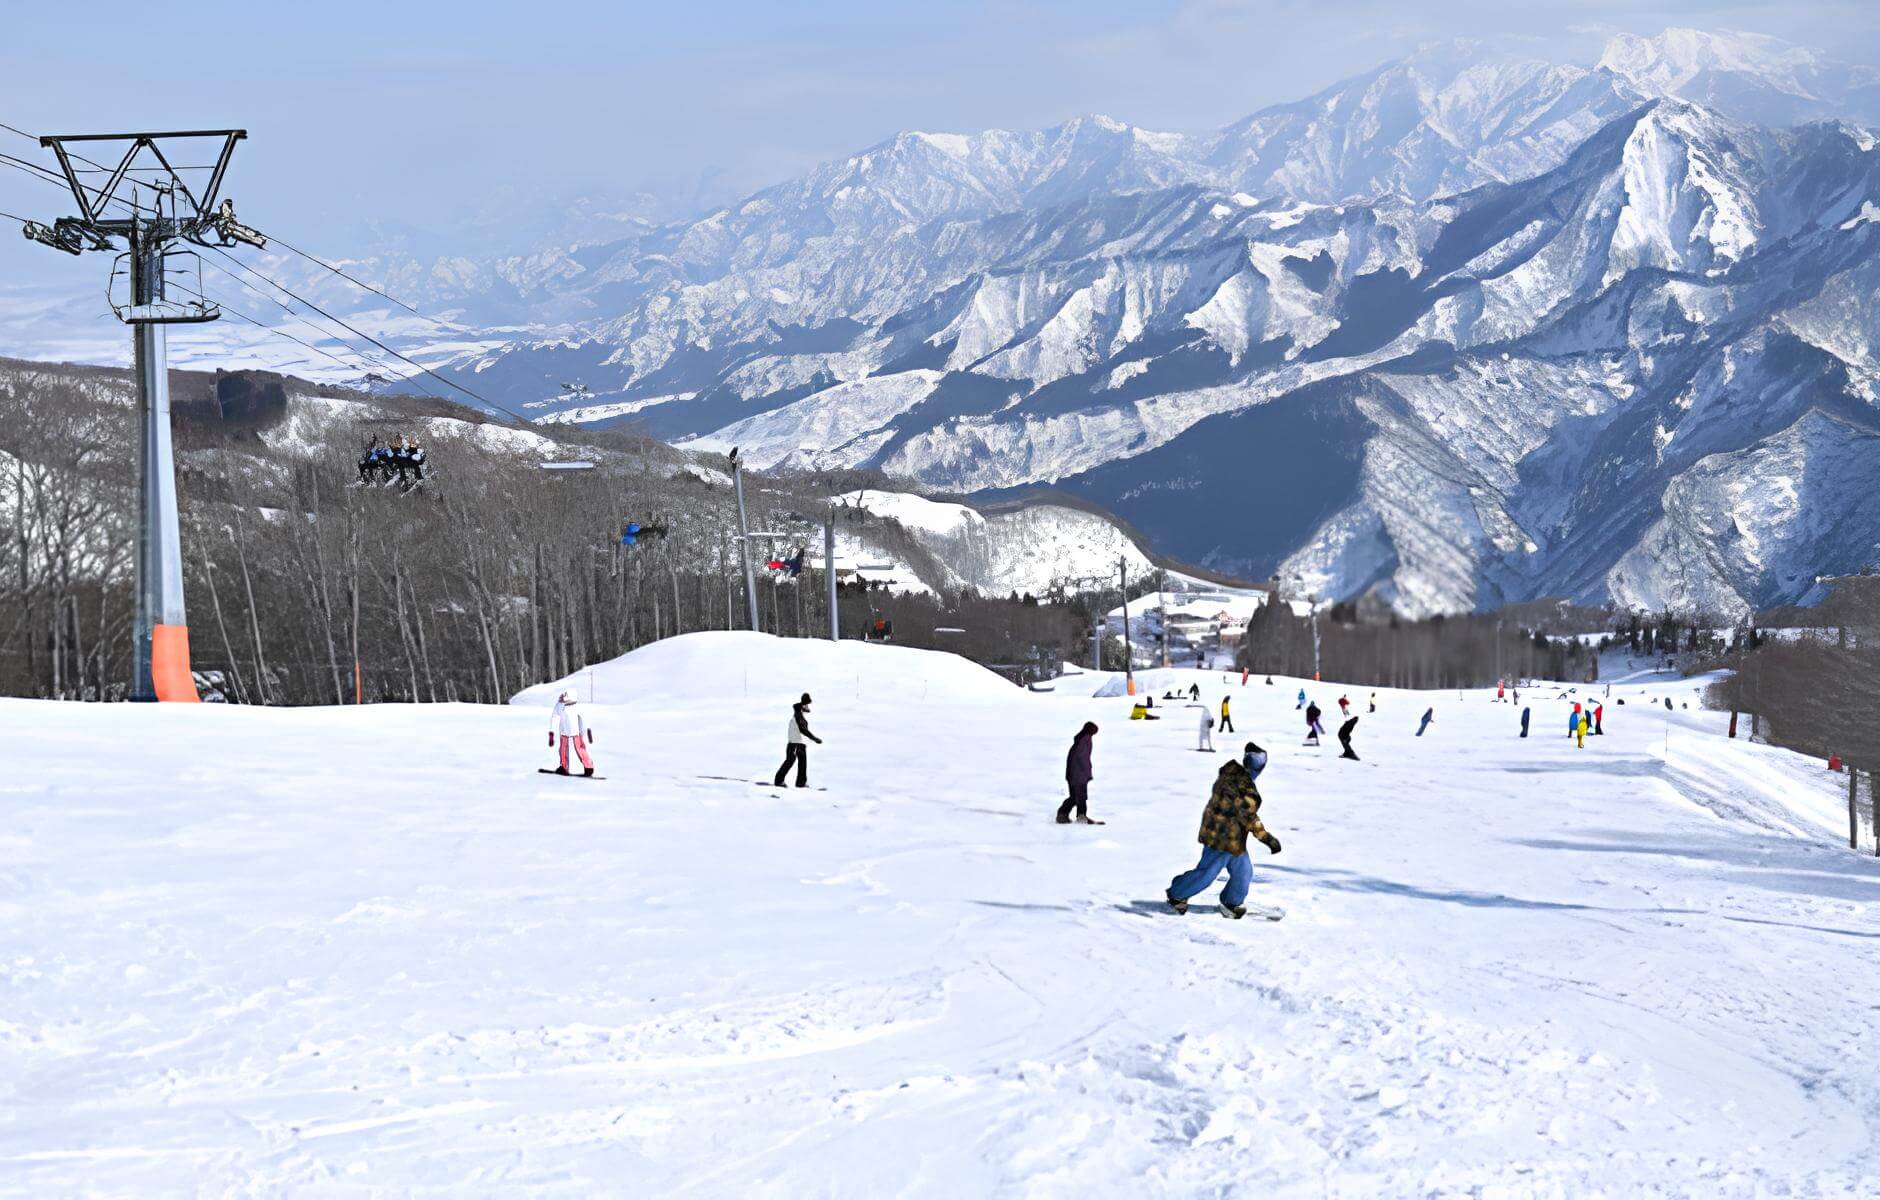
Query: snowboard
[
  {"x": 571, "y": 774},
  {"x": 1196, "y": 907},
  {"x": 764, "y": 783},
  {"x": 1085, "y": 821}
]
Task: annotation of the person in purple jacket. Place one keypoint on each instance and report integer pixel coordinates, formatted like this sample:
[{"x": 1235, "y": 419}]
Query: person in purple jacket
[{"x": 1077, "y": 774}]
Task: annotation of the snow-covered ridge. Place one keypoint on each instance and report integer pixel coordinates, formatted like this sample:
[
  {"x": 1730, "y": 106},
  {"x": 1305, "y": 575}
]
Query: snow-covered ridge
[{"x": 1028, "y": 549}]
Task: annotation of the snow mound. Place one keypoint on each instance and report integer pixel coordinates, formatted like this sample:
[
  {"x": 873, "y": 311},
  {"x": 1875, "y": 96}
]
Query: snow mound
[{"x": 716, "y": 666}]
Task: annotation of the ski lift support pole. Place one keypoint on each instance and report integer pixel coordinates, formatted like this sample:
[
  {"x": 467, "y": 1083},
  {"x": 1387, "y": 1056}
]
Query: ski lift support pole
[
  {"x": 1129, "y": 659},
  {"x": 744, "y": 539},
  {"x": 829, "y": 569},
  {"x": 160, "y": 667}
]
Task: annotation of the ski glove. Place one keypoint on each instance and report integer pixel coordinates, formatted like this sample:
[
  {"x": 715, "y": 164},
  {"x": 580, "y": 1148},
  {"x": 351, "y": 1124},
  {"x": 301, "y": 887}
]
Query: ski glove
[
  {"x": 551, "y": 737},
  {"x": 590, "y": 736},
  {"x": 1272, "y": 843}
]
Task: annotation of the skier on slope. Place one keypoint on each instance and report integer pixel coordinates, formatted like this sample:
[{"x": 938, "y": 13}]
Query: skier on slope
[
  {"x": 1194, "y": 691},
  {"x": 796, "y": 750},
  {"x": 1581, "y": 722},
  {"x": 1573, "y": 720},
  {"x": 1429, "y": 714},
  {"x": 1206, "y": 739},
  {"x": 1501, "y": 690},
  {"x": 1344, "y": 706},
  {"x": 1344, "y": 738},
  {"x": 1599, "y": 719},
  {"x": 1227, "y": 720},
  {"x": 1373, "y": 701},
  {"x": 1313, "y": 729},
  {"x": 567, "y": 722},
  {"x": 1231, "y": 817},
  {"x": 1302, "y": 700},
  {"x": 1078, "y": 774}
]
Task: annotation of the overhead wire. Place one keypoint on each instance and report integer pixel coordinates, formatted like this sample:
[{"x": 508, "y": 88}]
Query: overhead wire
[
  {"x": 371, "y": 364},
  {"x": 208, "y": 298},
  {"x": 284, "y": 244},
  {"x": 359, "y": 333},
  {"x": 58, "y": 180}
]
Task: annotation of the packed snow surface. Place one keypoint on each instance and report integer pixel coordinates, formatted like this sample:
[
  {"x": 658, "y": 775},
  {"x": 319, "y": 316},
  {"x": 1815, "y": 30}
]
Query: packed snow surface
[{"x": 371, "y": 952}]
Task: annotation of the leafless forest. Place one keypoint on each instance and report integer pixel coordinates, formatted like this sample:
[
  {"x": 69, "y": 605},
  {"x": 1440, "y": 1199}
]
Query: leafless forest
[{"x": 494, "y": 575}]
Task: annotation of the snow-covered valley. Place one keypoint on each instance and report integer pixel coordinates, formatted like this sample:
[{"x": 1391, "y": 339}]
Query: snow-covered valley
[{"x": 365, "y": 952}]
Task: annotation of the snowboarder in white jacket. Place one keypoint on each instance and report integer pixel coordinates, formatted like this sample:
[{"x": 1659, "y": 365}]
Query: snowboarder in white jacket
[
  {"x": 1206, "y": 741},
  {"x": 797, "y": 750},
  {"x": 572, "y": 728}
]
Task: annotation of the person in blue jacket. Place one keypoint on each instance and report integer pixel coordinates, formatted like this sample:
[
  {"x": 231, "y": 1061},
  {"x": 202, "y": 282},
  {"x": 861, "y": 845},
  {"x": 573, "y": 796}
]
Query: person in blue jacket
[{"x": 1525, "y": 713}]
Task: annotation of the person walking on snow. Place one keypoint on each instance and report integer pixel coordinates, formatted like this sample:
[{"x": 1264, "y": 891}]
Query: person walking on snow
[
  {"x": 1227, "y": 720},
  {"x": 1599, "y": 719},
  {"x": 1429, "y": 714},
  {"x": 796, "y": 752},
  {"x": 1302, "y": 700},
  {"x": 1344, "y": 706},
  {"x": 568, "y": 723},
  {"x": 1077, "y": 774},
  {"x": 1194, "y": 691},
  {"x": 1313, "y": 729},
  {"x": 1580, "y": 723},
  {"x": 1524, "y": 721},
  {"x": 1344, "y": 738},
  {"x": 1373, "y": 701},
  {"x": 1207, "y": 731},
  {"x": 1230, "y": 819}
]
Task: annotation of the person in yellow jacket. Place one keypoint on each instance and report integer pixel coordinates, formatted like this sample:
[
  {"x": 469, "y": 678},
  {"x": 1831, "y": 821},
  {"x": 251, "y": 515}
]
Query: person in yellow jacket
[
  {"x": 1579, "y": 730},
  {"x": 1227, "y": 720}
]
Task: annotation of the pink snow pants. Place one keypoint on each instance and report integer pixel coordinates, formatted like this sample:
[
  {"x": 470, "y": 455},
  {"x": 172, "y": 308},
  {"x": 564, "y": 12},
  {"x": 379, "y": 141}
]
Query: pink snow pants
[{"x": 580, "y": 748}]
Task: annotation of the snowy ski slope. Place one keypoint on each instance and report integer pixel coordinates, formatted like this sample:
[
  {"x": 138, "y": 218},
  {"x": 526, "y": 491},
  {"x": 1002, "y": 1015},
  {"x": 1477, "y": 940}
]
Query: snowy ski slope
[{"x": 371, "y": 952}]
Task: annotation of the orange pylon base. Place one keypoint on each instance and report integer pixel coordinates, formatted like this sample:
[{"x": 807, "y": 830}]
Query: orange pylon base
[{"x": 169, "y": 665}]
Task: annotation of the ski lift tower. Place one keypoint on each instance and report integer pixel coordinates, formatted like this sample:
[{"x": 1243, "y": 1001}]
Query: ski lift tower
[{"x": 148, "y": 204}]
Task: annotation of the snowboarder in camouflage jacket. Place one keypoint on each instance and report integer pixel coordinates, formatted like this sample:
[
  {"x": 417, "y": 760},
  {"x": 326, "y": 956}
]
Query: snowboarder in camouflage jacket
[{"x": 1231, "y": 817}]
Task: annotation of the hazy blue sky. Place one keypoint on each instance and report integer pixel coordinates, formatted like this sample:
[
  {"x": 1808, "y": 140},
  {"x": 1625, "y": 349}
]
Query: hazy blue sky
[{"x": 400, "y": 111}]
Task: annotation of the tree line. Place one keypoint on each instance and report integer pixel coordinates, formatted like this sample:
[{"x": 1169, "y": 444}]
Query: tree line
[
  {"x": 1465, "y": 651},
  {"x": 303, "y": 588},
  {"x": 1815, "y": 688}
]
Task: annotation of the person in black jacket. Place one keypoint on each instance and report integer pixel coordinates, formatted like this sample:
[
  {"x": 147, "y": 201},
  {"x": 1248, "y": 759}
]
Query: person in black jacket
[
  {"x": 1077, "y": 774},
  {"x": 797, "y": 751},
  {"x": 1344, "y": 738}
]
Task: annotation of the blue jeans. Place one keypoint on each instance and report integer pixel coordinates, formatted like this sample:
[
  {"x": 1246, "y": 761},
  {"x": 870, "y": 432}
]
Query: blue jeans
[{"x": 1239, "y": 877}]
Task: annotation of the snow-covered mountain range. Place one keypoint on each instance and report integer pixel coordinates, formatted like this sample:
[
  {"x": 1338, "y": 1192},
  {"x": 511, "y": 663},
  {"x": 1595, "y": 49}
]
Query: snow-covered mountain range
[{"x": 1464, "y": 329}]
